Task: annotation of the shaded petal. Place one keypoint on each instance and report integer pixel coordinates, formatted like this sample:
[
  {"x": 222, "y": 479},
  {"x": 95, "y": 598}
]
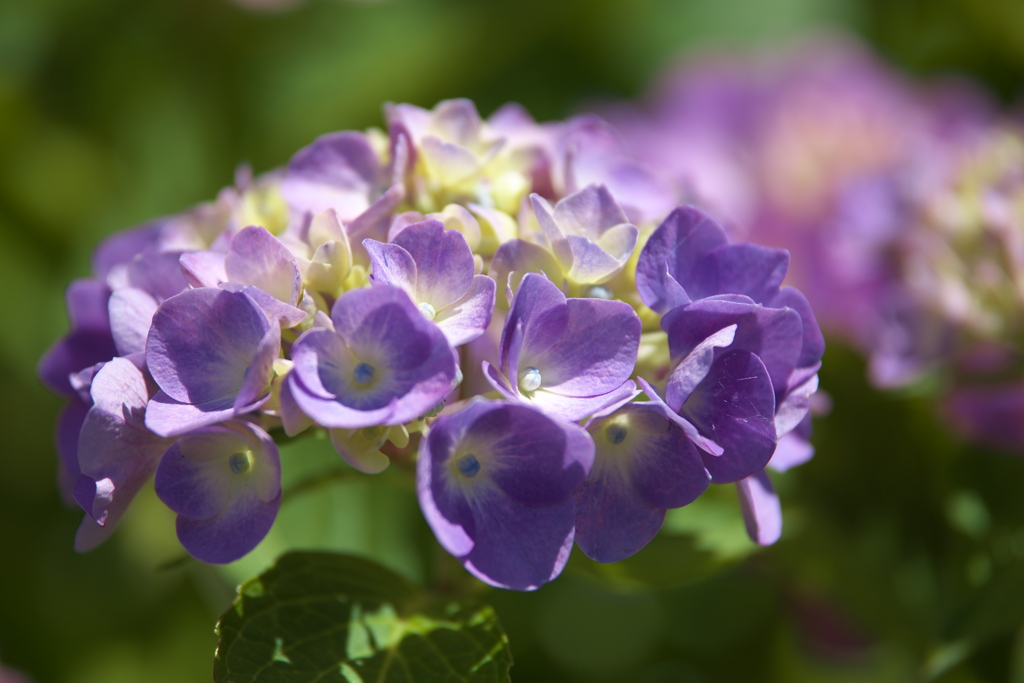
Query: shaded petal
[
  {"x": 813, "y": 347},
  {"x": 231, "y": 534},
  {"x": 735, "y": 406},
  {"x": 589, "y": 212},
  {"x": 203, "y": 268},
  {"x": 595, "y": 352},
  {"x": 392, "y": 265},
  {"x": 518, "y": 546},
  {"x": 444, "y": 262},
  {"x": 131, "y": 313},
  {"x": 201, "y": 343},
  {"x": 792, "y": 410},
  {"x": 259, "y": 259},
  {"x": 575, "y": 408},
  {"x": 748, "y": 269},
  {"x": 467, "y": 318},
  {"x": 167, "y": 417},
  {"x": 692, "y": 370},
  {"x": 670, "y": 257},
  {"x": 762, "y": 513},
  {"x": 360, "y": 450},
  {"x": 612, "y": 521},
  {"x": 260, "y": 373},
  {"x": 539, "y": 312}
]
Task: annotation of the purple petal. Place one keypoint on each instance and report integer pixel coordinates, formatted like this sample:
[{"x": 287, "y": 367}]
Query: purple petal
[
  {"x": 392, "y": 265},
  {"x": 259, "y": 374},
  {"x": 735, "y": 407},
  {"x": 762, "y": 513},
  {"x": 204, "y": 268},
  {"x": 131, "y": 313},
  {"x": 589, "y": 212},
  {"x": 259, "y": 259},
  {"x": 539, "y": 312},
  {"x": 338, "y": 171},
  {"x": 575, "y": 408},
  {"x": 158, "y": 273},
  {"x": 202, "y": 342},
  {"x": 748, "y": 269},
  {"x": 167, "y": 417},
  {"x": 277, "y": 311},
  {"x": 520, "y": 256},
  {"x": 374, "y": 222},
  {"x": 595, "y": 352},
  {"x": 520, "y": 547},
  {"x": 612, "y": 521},
  {"x": 793, "y": 450},
  {"x": 230, "y": 535},
  {"x": 796, "y": 405},
  {"x": 774, "y": 335},
  {"x": 444, "y": 262},
  {"x": 89, "y": 342},
  {"x": 123, "y": 246},
  {"x": 813, "y": 347},
  {"x": 702, "y": 442},
  {"x": 467, "y": 318},
  {"x": 692, "y": 370},
  {"x": 116, "y": 453},
  {"x": 670, "y": 257}
]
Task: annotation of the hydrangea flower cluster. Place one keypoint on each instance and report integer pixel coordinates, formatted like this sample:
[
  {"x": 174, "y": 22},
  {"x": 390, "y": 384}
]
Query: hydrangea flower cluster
[
  {"x": 901, "y": 203},
  {"x": 489, "y": 298}
]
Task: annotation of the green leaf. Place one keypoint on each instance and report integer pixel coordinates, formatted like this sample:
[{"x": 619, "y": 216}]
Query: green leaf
[{"x": 335, "y": 618}]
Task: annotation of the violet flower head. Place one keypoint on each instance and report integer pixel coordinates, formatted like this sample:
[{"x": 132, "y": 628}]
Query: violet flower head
[
  {"x": 495, "y": 482},
  {"x": 224, "y": 482},
  {"x": 643, "y": 465},
  {"x": 211, "y": 351},
  {"x": 568, "y": 357},
  {"x": 383, "y": 363},
  {"x": 435, "y": 267}
]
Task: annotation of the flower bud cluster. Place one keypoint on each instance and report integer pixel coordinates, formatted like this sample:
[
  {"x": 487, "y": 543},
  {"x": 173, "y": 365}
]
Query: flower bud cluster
[{"x": 487, "y": 298}]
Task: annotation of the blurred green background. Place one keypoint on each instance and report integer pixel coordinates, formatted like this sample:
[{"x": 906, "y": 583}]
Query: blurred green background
[{"x": 903, "y": 555}]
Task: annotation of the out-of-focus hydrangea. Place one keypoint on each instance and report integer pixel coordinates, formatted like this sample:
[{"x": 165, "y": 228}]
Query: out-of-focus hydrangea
[
  {"x": 486, "y": 296},
  {"x": 902, "y": 205}
]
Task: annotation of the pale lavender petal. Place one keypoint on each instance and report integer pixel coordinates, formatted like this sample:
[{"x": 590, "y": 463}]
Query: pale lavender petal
[
  {"x": 158, "y": 273},
  {"x": 589, "y": 263},
  {"x": 589, "y": 212},
  {"x": 444, "y": 262},
  {"x": 277, "y": 311},
  {"x": 203, "y": 268},
  {"x": 762, "y": 513},
  {"x": 259, "y": 259},
  {"x": 167, "y": 417},
  {"x": 260, "y": 373},
  {"x": 467, "y": 318},
  {"x": 796, "y": 405},
  {"x": 520, "y": 256},
  {"x": 575, "y": 408},
  {"x": 793, "y": 450},
  {"x": 131, "y": 313},
  {"x": 392, "y": 265},
  {"x": 373, "y": 223},
  {"x": 202, "y": 342},
  {"x": 123, "y": 246},
  {"x": 338, "y": 171},
  {"x": 692, "y": 370},
  {"x": 595, "y": 352}
]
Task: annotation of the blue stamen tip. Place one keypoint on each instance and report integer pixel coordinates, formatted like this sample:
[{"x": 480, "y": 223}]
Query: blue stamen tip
[
  {"x": 468, "y": 465},
  {"x": 363, "y": 374}
]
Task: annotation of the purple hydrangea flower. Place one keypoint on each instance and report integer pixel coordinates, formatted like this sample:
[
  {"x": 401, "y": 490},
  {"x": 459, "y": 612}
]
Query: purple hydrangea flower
[
  {"x": 588, "y": 233},
  {"x": 211, "y": 352},
  {"x": 495, "y": 482},
  {"x": 116, "y": 452},
  {"x": 644, "y": 465},
  {"x": 569, "y": 357},
  {"x": 382, "y": 364},
  {"x": 435, "y": 267},
  {"x": 224, "y": 482}
]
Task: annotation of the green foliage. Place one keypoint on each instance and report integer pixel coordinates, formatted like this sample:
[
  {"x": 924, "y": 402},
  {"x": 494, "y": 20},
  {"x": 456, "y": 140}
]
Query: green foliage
[{"x": 328, "y": 617}]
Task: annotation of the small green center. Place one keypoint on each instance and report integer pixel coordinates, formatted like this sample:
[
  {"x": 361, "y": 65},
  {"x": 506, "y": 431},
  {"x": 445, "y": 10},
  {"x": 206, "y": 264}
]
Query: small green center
[{"x": 240, "y": 462}]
